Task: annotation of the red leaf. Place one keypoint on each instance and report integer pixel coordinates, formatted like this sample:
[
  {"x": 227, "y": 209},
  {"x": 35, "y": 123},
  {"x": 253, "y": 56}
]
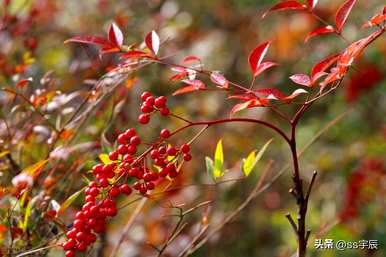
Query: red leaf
[
  {"x": 270, "y": 93},
  {"x": 245, "y": 97},
  {"x": 152, "y": 42},
  {"x": 191, "y": 58},
  {"x": 275, "y": 94},
  {"x": 311, "y": 4},
  {"x": 136, "y": 54},
  {"x": 301, "y": 79},
  {"x": 198, "y": 84},
  {"x": 342, "y": 13},
  {"x": 287, "y": 5},
  {"x": 115, "y": 35},
  {"x": 23, "y": 82},
  {"x": 264, "y": 66},
  {"x": 318, "y": 31},
  {"x": 89, "y": 40},
  {"x": 249, "y": 104},
  {"x": 187, "y": 89},
  {"x": 219, "y": 79},
  {"x": 256, "y": 56},
  {"x": 374, "y": 21},
  {"x": 323, "y": 65}
]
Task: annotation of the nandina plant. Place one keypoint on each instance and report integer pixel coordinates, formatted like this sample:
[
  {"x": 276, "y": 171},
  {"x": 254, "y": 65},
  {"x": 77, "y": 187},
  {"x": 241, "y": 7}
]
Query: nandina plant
[{"x": 127, "y": 168}]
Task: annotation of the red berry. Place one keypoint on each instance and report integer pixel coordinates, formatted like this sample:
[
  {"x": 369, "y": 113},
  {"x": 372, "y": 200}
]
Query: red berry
[
  {"x": 127, "y": 158},
  {"x": 147, "y": 108},
  {"x": 165, "y": 133},
  {"x": 135, "y": 140},
  {"x": 130, "y": 133},
  {"x": 94, "y": 191},
  {"x": 131, "y": 149},
  {"x": 149, "y": 101},
  {"x": 81, "y": 247},
  {"x": 107, "y": 203},
  {"x": 145, "y": 95},
  {"x": 114, "y": 192},
  {"x": 164, "y": 111},
  {"x": 143, "y": 189},
  {"x": 187, "y": 157},
  {"x": 133, "y": 172},
  {"x": 112, "y": 211},
  {"x": 171, "y": 151},
  {"x": 70, "y": 253},
  {"x": 147, "y": 177},
  {"x": 81, "y": 236},
  {"x": 69, "y": 244},
  {"x": 150, "y": 186},
  {"x": 162, "y": 149},
  {"x": 125, "y": 189},
  {"x": 122, "y": 138},
  {"x": 185, "y": 148},
  {"x": 122, "y": 149},
  {"x": 91, "y": 238},
  {"x": 103, "y": 182},
  {"x": 137, "y": 185},
  {"x": 113, "y": 155},
  {"x": 90, "y": 198},
  {"x": 71, "y": 233},
  {"x": 154, "y": 154},
  {"x": 163, "y": 172},
  {"x": 78, "y": 224},
  {"x": 143, "y": 118},
  {"x": 160, "y": 101},
  {"x": 97, "y": 168},
  {"x": 79, "y": 215},
  {"x": 108, "y": 168}
]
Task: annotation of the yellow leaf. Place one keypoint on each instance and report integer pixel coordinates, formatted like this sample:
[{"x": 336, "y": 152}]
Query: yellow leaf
[
  {"x": 35, "y": 167},
  {"x": 218, "y": 160},
  {"x": 4, "y": 153},
  {"x": 105, "y": 158}
]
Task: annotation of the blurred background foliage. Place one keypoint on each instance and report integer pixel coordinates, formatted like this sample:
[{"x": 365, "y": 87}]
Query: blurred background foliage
[{"x": 348, "y": 201}]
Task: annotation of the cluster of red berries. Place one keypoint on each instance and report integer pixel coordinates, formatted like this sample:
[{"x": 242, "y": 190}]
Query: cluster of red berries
[
  {"x": 151, "y": 104},
  {"x": 112, "y": 178}
]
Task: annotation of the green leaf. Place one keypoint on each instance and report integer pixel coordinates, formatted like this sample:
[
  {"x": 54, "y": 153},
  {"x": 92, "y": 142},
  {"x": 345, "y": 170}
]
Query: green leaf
[
  {"x": 250, "y": 162},
  {"x": 210, "y": 167},
  {"x": 70, "y": 200},
  {"x": 27, "y": 215},
  {"x": 218, "y": 160},
  {"x": 105, "y": 158}
]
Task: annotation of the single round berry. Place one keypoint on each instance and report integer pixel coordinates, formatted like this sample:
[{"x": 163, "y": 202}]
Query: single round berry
[
  {"x": 160, "y": 102},
  {"x": 165, "y": 133},
  {"x": 185, "y": 148},
  {"x": 143, "y": 118},
  {"x": 164, "y": 111},
  {"x": 125, "y": 189},
  {"x": 135, "y": 140},
  {"x": 154, "y": 154},
  {"x": 187, "y": 157},
  {"x": 114, "y": 192},
  {"x": 113, "y": 156},
  {"x": 133, "y": 172},
  {"x": 147, "y": 108},
  {"x": 162, "y": 149},
  {"x": 78, "y": 224},
  {"x": 70, "y": 253},
  {"x": 69, "y": 244},
  {"x": 145, "y": 95},
  {"x": 150, "y": 186},
  {"x": 172, "y": 151},
  {"x": 149, "y": 101}
]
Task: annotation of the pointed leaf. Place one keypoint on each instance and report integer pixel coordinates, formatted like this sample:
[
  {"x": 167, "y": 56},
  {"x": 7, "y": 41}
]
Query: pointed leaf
[
  {"x": 210, "y": 167},
  {"x": 319, "y": 31},
  {"x": 294, "y": 94},
  {"x": 89, "y": 40},
  {"x": 286, "y": 5},
  {"x": 342, "y": 13},
  {"x": 250, "y": 162},
  {"x": 264, "y": 66},
  {"x": 115, "y": 35},
  {"x": 375, "y": 21},
  {"x": 218, "y": 160},
  {"x": 191, "y": 58},
  {"x": 27, "y": 215},
  {"x": 301, "y": 79},
  {"x": 187, "y": 89},
  {"x": 249, "y": 104},
  {"x": 256, "y": 56},
  {"x": 324, "y": 64},
  {"x": 152, "y": 42},
  {"x": 31, "y": 170},
  {"x": 136, "y": 54},
  {"x": 69, "y": 201},
  {"x": 219, "y": 79}
]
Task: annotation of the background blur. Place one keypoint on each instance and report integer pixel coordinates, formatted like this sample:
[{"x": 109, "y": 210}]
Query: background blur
[{"x": 348, "y": 201}]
